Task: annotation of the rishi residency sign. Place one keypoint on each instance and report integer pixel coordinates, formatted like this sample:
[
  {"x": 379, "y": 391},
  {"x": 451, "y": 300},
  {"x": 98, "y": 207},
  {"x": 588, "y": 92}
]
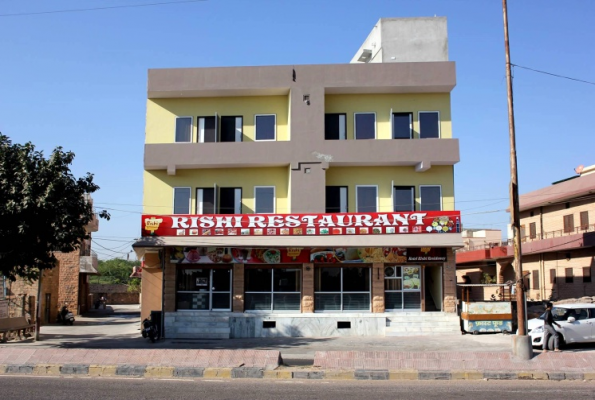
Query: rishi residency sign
[{"x": 302, "y": 224}]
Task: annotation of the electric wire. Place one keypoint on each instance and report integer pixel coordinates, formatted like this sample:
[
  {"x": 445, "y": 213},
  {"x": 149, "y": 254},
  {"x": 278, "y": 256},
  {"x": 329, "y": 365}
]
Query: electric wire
[
  {"x": 99, "y": 8},
  {"x": 552, "y": 74}
]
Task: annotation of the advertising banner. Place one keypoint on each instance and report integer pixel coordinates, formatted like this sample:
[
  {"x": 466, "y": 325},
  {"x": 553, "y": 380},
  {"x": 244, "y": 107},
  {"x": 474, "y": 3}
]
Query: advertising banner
[{"x": 436, "y": 222}]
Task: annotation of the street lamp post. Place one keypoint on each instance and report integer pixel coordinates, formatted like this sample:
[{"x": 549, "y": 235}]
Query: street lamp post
[{"x": 521, "y": 343}]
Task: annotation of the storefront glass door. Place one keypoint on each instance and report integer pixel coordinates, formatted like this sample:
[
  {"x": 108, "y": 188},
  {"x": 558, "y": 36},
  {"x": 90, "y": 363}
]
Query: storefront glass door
[
  {"x": 204, "y": 289},
  {"x": 402, "y": 288}
]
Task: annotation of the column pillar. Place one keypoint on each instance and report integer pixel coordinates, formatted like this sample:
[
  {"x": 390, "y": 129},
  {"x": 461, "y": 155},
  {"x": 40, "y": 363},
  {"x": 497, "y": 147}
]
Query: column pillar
[
  {"x": 169, "y": 289},
  {"x": 308, "y": 288},
  {"x": 378, "y": 287},
  {"x": 449, "y": 276},
  {"x": 238, "y": 288}
]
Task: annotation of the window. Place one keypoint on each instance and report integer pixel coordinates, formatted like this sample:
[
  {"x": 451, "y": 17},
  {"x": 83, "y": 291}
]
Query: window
[
  {"x": 336, "y": 199},
  {"x": 586, "y": 274},
  {"x": 203, "y": 289},
  {"x": 404, "y": 198},
  {"x": 523, "y": 230},
  {"x": 334, "y": 126},
  {"x": 584, "y": 220},
  {"x": 430, "y": 198},
  {"x": 183, "y": 129},
  {"x": 402, "y": 287},
  {"x": 182, "y": 200},
  {"x": 207, "y": 129},
  {"x": 366, "y": 199},
  {"x": 569, "y": 275},
  {"x": 273, "y": 289},
  {"x": 365, "y": 125},
  {"x": 535, "y": 278},
  {"x": 552, "y": 276},
  {"x": 205, "y": 201},
  {"x": 264, "y": 199},
  {"x": 532, "y": 230},
  {"x": 342, "y": 289},
  {"x": 230, "y": 200},
  {"x": 568, "y": 223},
  {"x": 429, "y": 124},
  {"x": 265, "y": 127},
  {"x": 402, "y": 126},
  {"x": 231, "y": 129}
]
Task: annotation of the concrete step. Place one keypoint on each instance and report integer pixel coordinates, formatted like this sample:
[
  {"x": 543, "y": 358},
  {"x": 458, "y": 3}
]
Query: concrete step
[
  {"x": 422, "y": 323},
  {"x": 199, "y": 324},
  {"x": 437, "y": 329},
  {"x": 194, "y": 318},
  {"x": 198, "y": 331},
  {"x": 198, "y": 336}
]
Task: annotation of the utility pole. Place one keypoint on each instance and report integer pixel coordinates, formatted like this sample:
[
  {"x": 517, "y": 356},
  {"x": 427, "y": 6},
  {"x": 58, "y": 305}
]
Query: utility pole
[{"x": 521, "y": 343}]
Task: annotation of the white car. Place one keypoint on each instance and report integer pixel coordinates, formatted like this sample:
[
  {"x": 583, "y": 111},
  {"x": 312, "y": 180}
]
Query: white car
[{"x": 577, "y": 324}]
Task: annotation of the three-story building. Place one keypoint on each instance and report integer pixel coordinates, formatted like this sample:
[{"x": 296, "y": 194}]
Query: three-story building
[{"x": 308, "y": 200}]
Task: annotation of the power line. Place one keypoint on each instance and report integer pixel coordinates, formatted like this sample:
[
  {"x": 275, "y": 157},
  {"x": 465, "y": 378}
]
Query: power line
[
  {"x": 99, "y": 8},
  {"x": 552, "y": 74}
]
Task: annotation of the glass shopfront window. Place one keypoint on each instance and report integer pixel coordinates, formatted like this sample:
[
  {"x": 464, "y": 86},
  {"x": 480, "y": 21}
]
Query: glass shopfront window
[
  {"x": 402, "y": 287},
  {"x": 203, "y": 289},
  {"x": 273, "y": 289},
  {"x": 342, "y": 289}
]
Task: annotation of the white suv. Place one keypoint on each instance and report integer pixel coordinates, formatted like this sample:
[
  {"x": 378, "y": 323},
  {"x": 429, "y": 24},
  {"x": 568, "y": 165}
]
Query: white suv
[{"x": 577, "y": 324}]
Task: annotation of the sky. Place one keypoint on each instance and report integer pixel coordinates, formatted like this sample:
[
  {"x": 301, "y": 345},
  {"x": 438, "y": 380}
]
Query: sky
[{"x": 79, "y": 80}]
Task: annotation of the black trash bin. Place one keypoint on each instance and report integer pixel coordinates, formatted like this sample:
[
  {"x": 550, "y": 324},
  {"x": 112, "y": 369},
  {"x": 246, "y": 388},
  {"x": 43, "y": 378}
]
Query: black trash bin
[{"x": 156, "y": 319}]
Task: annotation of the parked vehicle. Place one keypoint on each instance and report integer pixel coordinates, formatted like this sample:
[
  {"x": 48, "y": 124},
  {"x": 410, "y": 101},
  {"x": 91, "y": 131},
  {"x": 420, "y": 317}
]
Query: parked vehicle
[
  {"x": 150, "y": 330},
  {"x": 65, "y": 316},
  {"x": 577, "y": 325}
]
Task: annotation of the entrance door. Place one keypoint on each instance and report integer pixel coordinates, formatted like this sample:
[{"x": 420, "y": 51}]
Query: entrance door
[
  {"x": 48, "y": 305},
  {"x": 433, "y": 288},
  {"x": 221, "y": 289},
  {"x": 204, "y": 289}
]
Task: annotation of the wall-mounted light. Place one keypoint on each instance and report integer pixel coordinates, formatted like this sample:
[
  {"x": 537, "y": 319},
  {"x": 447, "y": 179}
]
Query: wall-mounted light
[
  {"x": 307, "y": 99},
  {"x": 567, "y": 256}
]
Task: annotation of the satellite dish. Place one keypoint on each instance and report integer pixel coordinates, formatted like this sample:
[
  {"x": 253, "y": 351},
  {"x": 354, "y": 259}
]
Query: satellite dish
[{"x": 579, "y": 169}]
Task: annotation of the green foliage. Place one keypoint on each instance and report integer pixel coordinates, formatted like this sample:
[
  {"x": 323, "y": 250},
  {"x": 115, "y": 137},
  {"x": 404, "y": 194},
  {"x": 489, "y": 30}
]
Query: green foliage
[
  {"x": 115, "y": 272},
  {"x": 43, "y": 208},
  {"x": 134, "y": 286},
  {"x": 487, "y": 279}
]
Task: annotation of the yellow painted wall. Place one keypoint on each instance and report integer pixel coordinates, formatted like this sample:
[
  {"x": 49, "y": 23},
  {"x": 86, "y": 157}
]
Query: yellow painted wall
[
  {"x": 162, "y": 113},
  {"x": 382, "y": 176},
  {"x": 151, "y": 289},
  {"x": 158, "y": 192},
  {"x": 381, "y": 104}
]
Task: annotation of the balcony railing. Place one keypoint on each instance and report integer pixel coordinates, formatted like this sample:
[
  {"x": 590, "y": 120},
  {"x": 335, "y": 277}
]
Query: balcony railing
[{"x": 528, "y": 238}]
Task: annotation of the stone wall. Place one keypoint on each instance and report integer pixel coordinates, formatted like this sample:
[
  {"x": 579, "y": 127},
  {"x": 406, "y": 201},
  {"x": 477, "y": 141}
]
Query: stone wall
[
  {"x": 115, "y": 294},
  {"x": 450, "y": 282}
]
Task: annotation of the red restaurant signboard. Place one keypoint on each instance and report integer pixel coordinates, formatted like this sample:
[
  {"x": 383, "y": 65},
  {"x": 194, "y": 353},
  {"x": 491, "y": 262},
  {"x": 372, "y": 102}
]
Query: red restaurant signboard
[{"x": 301, "y": 224}]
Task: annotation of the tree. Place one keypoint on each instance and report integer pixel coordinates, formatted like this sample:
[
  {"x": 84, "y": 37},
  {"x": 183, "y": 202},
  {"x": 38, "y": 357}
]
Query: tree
[
  {"x": 115, "y": 271},
  {"x": 43, "y": 208}
]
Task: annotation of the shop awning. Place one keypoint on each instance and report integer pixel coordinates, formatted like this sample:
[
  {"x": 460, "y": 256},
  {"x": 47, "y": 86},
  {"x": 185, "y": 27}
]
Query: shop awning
[{"x": 411, "y": 240}]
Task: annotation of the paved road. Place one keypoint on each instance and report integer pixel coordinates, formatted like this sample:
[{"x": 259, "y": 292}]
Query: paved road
[{"x": 24, "y": 388}]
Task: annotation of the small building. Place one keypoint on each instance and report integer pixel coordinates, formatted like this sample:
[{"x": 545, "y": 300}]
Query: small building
[
  {"x": 558, "y": 242},
  {"x": 307, "y": 200}
]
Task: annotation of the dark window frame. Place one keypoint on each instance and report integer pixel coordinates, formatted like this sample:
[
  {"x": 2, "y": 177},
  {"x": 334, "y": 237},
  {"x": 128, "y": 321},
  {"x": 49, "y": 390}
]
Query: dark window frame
[
  {"x": 213, "y": 132},
  {"x": 189, "y": 200},
  {"x": 535, "y": 278},
  {"x": 532, "y": 230},
  {"x": 584, "y": 218},
  {"x": 274, "y": 199},
  {"x": 421, "y": 196},
  {"x": 410, "y": 115},
  {"x": 569, "y": 223},
  {"x": 569, "y": 278},
  {"x": 329, "y": 135},
  {"x": 198, "y": 212},
  {"x": 221, "y": 125},
  {"x": 256, "y": 118},
  {"x": 328, "y": 208},
  {"x": 190, "y": 133},
  {"x": 220, "y": 197},
  {"x": 355, "y": 126},
  {"x": 421, "y": 130},
  {"x": 357, "y": 203},
  {"x": 587, "y": 275},
  {"x": 412, "y": 189}
]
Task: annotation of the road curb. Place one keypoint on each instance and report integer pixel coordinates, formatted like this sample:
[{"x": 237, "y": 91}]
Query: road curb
[{"x": 168, "y": 372}]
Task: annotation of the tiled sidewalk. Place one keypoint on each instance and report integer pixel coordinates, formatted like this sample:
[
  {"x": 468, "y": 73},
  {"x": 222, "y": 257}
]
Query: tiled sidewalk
[
  {"x": 449, "y": 361},
  {"x": 267, "y": 359}
]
